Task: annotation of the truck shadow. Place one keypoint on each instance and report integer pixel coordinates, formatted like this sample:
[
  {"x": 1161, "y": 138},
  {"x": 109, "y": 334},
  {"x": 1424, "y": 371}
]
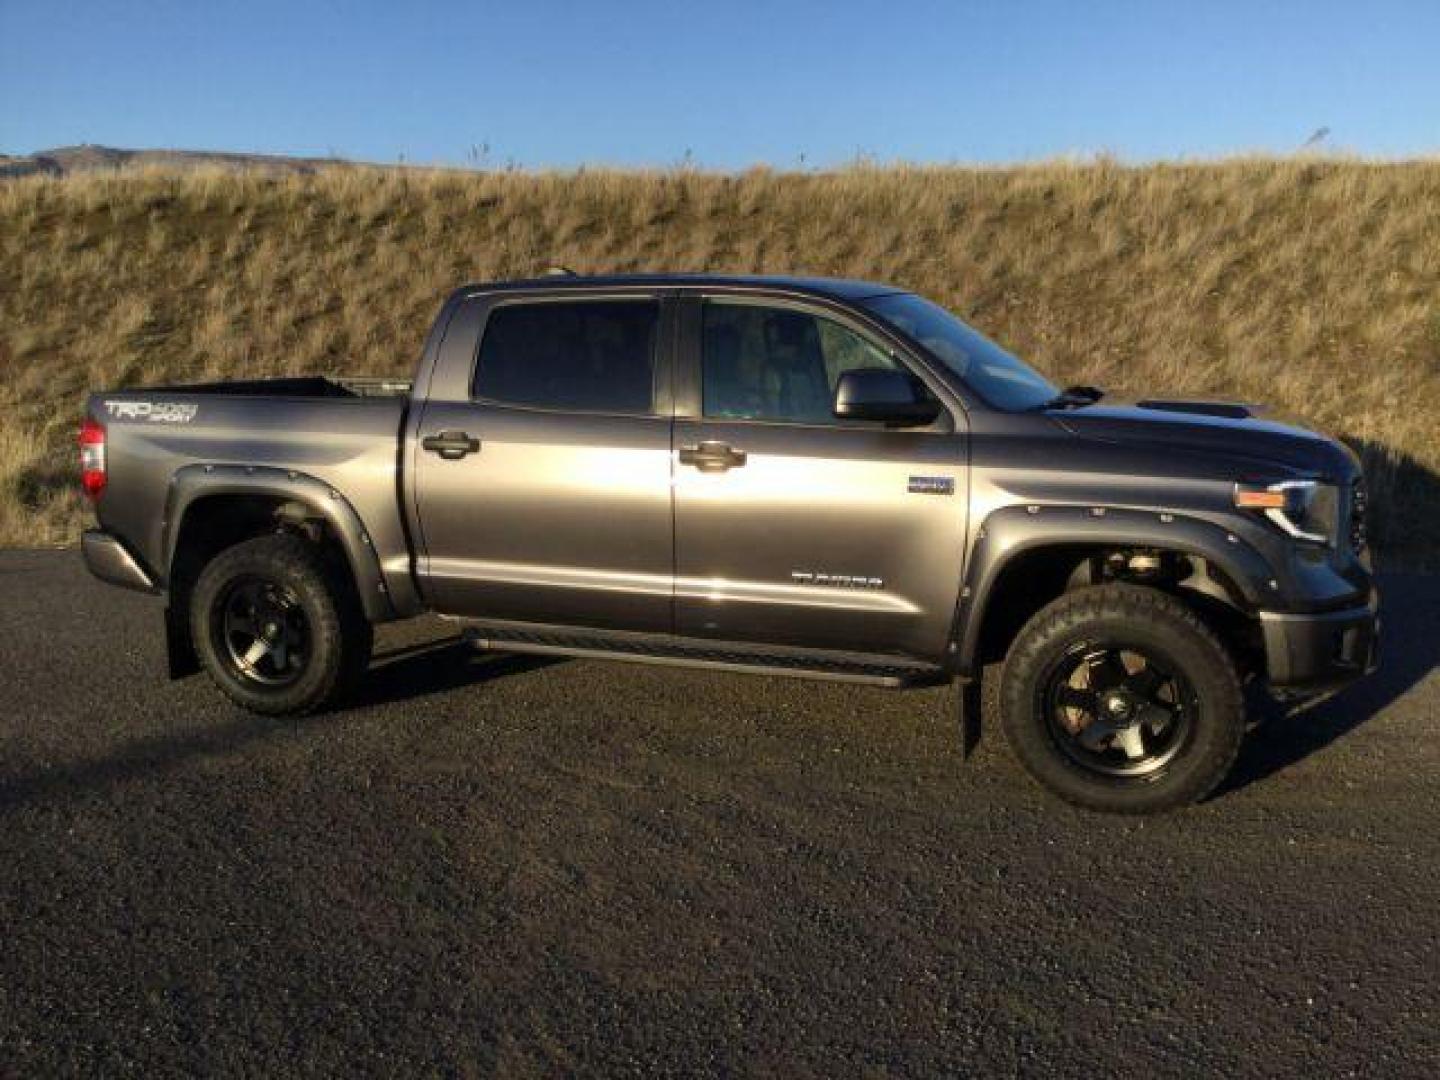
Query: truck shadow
[
  {"x": 433, "y": 667},
  {"x": 1404, "y": 498},
  {"x": 1409, "y": 652},
  {"x": 398, "y": 675}
]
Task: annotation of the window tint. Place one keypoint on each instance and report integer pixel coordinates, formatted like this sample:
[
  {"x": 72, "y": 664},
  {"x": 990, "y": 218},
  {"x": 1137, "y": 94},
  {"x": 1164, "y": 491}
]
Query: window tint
[
  {"x": 773, "y": 363},
  {"x": 592, "y": 356}
]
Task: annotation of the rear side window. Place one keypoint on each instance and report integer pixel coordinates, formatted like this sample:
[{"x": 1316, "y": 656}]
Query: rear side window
[{"x": 586, "y": 356}]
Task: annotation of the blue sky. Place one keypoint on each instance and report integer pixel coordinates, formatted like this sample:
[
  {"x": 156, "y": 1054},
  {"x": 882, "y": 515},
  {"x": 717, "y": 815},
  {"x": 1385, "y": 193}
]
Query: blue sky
[{"x": 733, "y": 83}]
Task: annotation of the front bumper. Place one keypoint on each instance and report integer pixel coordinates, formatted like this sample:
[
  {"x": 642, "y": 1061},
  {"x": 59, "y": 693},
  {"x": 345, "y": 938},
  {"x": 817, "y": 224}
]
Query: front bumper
[
  {"x": 109, "y": 560},
  {"x": 1318, "y": 652}
]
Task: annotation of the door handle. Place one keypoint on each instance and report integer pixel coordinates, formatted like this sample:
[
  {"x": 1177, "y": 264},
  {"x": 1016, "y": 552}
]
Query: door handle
[
  {"x": 451, "y": 445},
  {"x": 712, "y": 456}
]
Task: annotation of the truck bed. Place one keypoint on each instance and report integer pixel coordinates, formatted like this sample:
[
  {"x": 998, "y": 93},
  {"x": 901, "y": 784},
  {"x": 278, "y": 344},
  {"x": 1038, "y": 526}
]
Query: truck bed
[{"x": 343, "y": 433}]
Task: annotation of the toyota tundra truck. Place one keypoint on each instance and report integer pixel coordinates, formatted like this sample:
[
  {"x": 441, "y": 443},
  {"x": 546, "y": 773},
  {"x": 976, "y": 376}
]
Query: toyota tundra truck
[{"x": 793, "y": 476}]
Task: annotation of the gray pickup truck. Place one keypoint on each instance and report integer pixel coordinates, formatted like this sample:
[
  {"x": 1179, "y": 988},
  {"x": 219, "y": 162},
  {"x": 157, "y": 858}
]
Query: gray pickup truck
[{"x": 809, "y": 477}]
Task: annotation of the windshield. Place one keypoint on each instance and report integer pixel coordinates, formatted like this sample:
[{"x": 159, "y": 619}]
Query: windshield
[{"x": 1004, "y": 381}]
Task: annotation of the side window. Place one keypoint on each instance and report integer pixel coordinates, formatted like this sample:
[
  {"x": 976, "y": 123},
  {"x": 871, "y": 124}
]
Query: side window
[
  {"x": 776, "y": 363},
  {"x": 587, "y": 355}
]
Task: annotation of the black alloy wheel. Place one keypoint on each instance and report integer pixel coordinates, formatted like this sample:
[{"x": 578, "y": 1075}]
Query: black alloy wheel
[
  {"x": 263, "y": 630},
  {"x": 1118, "y": 710}
]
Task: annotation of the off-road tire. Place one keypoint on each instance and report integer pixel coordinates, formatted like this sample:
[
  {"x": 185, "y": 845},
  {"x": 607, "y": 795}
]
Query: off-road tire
[
  {"x": 1141, "y": 618},
  {"x": 339, "y": 635}
]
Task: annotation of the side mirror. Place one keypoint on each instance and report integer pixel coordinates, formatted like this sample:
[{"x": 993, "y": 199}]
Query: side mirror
[{"x": 893, "y": 397}]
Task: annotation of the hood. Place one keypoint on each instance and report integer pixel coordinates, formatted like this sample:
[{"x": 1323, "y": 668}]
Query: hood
[{"x": 1231, "y": 434}]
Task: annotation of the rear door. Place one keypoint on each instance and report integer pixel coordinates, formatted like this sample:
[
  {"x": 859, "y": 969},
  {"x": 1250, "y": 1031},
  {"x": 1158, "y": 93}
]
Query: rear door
[
  {"x": 793, "y": 527},
  {"x": 542, "y": 480}
]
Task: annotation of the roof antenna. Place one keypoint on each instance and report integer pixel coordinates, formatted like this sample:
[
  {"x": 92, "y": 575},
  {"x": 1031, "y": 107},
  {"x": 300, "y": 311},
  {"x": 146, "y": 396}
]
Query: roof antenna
[{"x": 559, "y": 271}]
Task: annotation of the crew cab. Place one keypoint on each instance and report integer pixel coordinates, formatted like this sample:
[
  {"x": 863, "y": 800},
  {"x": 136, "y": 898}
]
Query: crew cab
[{"x": 809, "y": 477}]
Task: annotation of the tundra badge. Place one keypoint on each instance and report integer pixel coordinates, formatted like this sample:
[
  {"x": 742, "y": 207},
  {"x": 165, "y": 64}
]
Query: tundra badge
[
  {"x": 932, "y": 485},
  {"x": 836, "y": 581}
]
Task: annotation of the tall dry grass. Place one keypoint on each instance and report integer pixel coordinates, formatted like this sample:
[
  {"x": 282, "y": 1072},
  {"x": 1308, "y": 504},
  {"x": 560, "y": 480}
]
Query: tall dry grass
[{"x": 1310, "y": 284}]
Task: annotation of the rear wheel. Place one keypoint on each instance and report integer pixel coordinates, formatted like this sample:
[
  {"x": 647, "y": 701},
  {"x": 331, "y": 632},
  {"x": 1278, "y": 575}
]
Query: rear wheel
[
  {"x": 278, "y": 629},
  {"x": 1120, "y": 698}
]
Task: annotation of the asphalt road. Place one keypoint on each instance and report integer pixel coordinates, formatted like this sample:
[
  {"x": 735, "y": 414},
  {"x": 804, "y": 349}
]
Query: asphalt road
[{"x": 493, "y": 864}]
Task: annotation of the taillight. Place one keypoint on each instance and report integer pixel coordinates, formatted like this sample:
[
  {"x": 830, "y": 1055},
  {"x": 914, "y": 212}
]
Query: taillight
[{"x": 92, "y": 457}]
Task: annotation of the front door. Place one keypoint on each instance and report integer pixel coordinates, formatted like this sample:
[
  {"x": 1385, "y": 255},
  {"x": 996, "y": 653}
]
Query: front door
[
  {"x": 543, "y": 488},
  {"x": 794, "y": 527}
]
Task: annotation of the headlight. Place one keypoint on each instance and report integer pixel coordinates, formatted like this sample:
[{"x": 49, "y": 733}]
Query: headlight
[{"x": 1306, "y": 509}]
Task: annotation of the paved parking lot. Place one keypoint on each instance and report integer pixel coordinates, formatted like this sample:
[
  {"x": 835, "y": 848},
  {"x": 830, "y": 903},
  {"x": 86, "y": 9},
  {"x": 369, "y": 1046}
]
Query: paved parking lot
[{"x": 495, "y": 862}]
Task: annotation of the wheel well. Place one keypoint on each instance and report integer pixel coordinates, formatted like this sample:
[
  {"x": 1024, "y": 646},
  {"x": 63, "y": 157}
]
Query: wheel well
[
  {"x": 216, "y": 522},
  {"x": 1033, "y": 578}
]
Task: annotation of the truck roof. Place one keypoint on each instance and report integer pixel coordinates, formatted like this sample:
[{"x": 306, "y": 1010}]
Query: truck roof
[{"x": 834, "y": 288}]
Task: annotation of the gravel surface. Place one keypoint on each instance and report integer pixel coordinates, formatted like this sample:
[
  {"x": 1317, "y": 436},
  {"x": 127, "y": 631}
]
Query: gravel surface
[{"x": 497, "y": 864}]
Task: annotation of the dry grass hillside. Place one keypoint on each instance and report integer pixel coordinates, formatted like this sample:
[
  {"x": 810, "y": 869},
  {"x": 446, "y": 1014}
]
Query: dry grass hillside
[{"x": 1310, "y": 284}]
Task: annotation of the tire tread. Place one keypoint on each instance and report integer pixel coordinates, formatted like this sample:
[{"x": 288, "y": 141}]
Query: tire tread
[
  {"x": 341, "y": 635},
  {"x": 1156, "y": 612}
]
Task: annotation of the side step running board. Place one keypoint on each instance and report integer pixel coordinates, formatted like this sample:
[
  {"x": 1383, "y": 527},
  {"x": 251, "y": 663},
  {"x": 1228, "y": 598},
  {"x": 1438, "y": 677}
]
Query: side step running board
[{"x": 871, "y": 669}]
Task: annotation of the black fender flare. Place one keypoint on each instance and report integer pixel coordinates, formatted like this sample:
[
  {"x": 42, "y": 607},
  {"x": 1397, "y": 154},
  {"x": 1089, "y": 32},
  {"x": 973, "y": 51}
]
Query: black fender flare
[
  {"x": 1014, "y": 530},
  {"x": 195, "y": 482}
]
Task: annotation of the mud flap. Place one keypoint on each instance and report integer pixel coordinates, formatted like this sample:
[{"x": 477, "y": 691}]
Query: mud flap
[
  {"x": 179, "y": 650},
  {"x": 971, "y": 698}
]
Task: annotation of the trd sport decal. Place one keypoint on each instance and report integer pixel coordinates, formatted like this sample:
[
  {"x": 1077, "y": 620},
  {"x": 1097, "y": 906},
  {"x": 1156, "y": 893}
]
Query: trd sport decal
[{"x": 157, "y": 412}]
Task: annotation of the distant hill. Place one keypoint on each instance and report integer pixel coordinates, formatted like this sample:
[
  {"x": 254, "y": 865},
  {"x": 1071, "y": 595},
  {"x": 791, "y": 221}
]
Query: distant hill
[{"x": 67, "y": 160}]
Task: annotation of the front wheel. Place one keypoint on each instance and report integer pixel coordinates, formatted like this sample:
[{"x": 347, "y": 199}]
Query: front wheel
[
  {"x": 1120, "y": 698},
  {"x": 279, "y": 630}
]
